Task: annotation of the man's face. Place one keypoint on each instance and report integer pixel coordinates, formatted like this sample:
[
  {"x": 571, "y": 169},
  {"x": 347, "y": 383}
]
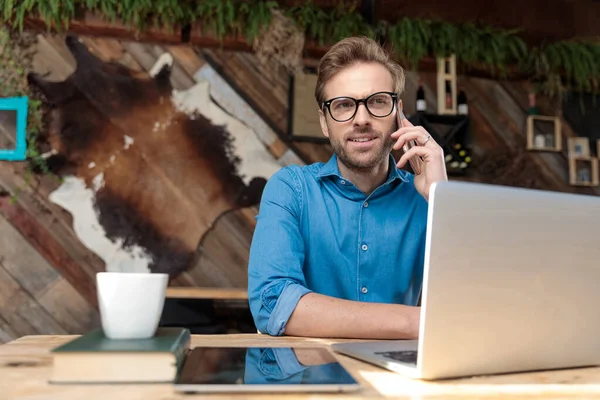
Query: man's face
[{"x": 363, "y": 142}]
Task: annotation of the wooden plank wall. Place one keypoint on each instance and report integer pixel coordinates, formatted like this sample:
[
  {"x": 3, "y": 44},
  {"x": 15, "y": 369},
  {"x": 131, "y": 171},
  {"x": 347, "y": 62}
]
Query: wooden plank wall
[
  {"x": 47, "y": 276},
  {"x": 34, "y": 297}
]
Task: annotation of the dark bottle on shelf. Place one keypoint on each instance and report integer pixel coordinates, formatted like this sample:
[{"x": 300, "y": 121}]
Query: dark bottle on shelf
[
  {"x": 463, "y": 108},
  {"x": 532, "y": 110},
  {"x": 421, "y": 102},
  {"x": 448, "y": 95}
]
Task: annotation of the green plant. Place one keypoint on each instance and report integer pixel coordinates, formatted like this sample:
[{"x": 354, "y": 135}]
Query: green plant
[
  {"x": 554, "y": 67},
  {"x": 414, "y": 39},
  {"x": 329, "y": 26},
  {"x": 13, "y": 82},
  {"x": 566, "y": 65},
  {"x": 255, "y": 18}
]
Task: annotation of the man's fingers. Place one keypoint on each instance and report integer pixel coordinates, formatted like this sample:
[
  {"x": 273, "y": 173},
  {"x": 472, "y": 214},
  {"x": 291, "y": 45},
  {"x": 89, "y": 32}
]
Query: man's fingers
[
  {"x": 421, "y": 151},
  {"x": 403, "y": 131},
  {"x": 416, "y": 134}
]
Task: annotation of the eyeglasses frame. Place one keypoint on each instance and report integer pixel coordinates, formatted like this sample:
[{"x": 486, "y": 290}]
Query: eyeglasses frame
[{"x": 327, "y": 103}]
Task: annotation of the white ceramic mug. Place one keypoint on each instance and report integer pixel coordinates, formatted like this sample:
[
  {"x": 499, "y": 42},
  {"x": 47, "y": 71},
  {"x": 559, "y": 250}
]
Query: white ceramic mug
[{"x": 130, "y": 303}]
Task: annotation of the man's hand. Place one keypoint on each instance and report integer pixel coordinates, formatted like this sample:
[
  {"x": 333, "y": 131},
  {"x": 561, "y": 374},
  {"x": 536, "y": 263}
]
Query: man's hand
[{"x": 433, "y": 168}]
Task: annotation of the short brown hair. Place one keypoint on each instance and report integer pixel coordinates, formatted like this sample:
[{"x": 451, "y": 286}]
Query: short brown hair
[{"x": 349, "y": 51}]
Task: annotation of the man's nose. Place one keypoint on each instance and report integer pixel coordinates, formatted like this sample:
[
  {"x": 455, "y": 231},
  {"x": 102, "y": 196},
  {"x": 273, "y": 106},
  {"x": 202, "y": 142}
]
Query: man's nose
[{"x": 362, "y": 116}]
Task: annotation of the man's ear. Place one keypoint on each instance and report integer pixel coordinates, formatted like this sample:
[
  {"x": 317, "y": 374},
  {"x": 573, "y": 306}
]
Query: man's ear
[{"x": 323, "y": 123}]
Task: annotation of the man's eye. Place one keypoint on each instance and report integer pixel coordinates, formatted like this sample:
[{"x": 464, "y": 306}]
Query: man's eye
[{"x": 342, "y": 105}]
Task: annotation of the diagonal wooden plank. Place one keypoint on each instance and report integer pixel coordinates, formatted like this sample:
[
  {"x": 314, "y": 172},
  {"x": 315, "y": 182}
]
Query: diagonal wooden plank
[
  {"x": 57, "y": 309},
  {"x": 69, "y": 308},
  {"x": 111, "y": 50},
  {"x": 7, "y": 333},
  {"x": 187, "y": 58},
  {"x": 22, "y": 261},
  {"x": 259, "y": 95},
  {"x": 56, "y": 258},
  {"x": 11, "y": 293},
  {"x": 40, "y": 319},
  {"x": 147, "y": 55},
  {"x": 52, "y": 58},
  {"x": 19, "y": 307}
]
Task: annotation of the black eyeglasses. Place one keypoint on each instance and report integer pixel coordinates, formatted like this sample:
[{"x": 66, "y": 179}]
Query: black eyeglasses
[{"x": 380, "y": 104}]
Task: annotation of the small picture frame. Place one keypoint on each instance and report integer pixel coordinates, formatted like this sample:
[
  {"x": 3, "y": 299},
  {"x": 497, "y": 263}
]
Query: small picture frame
[
  {"x": 13, "y": 128},
  {"x": 579, "y": 147},
  {"x": 303, "y": 113}
]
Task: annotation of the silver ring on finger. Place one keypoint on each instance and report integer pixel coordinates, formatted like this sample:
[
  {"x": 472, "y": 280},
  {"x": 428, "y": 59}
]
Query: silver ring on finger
[{"x": 426, "y": 140}]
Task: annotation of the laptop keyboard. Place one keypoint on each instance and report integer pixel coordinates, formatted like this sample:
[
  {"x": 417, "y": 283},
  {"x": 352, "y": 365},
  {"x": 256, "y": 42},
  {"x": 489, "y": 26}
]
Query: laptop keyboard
[{"x": 405, "y": 356}]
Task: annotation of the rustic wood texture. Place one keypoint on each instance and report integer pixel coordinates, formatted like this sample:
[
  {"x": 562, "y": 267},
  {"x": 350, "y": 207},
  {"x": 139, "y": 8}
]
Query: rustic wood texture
[
  {"x": 34, "y": 297},
  {"x": 46, "y": 245},
  {"x": 50, "y": 219},
  {"x": 26, "y": 365},
  {"x": 265, "y": 88}
]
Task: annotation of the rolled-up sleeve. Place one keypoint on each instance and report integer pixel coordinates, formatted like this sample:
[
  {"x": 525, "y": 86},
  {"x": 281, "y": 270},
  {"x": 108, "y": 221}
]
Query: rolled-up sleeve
[{"x": 275, "y": 277}]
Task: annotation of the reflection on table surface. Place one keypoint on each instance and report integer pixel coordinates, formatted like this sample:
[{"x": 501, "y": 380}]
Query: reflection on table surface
[{"x": 263, "y": 365}]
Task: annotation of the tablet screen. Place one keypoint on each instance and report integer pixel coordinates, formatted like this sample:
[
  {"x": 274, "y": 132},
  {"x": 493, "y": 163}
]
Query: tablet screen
[{"x": 246, "y": 366}]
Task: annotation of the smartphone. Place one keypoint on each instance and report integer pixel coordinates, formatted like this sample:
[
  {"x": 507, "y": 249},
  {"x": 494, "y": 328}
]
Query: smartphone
[{"x": 415, "y": 162}]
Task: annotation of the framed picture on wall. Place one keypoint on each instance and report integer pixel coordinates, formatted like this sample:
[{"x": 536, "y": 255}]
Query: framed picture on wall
[
  {"x": 303, "y": 116},
  {"x": 13, "y": 127},
  {"x": 579, "y": 147}
]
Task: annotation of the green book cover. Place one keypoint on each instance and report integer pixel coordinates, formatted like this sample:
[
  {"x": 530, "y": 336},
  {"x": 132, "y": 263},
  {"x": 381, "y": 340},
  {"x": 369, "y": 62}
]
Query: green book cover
[{"x": 169, "y": 340}]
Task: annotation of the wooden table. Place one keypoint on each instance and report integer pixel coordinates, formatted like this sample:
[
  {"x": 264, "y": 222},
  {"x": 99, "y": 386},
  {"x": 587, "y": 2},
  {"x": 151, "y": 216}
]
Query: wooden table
[{"x": 25, "y": 366}]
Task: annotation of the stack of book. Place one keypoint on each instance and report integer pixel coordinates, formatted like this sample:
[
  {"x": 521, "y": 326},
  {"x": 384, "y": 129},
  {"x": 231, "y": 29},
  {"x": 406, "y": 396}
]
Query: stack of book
[{"x": 94, "y": 358}]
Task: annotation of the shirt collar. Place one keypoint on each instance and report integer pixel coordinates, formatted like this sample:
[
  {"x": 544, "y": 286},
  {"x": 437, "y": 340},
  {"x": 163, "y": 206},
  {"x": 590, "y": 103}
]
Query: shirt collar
[{"x": 331, "y": 169}]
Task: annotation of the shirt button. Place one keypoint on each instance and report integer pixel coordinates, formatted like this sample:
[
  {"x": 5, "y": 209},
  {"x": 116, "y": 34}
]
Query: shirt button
[
  {"x": 343, "y": 182},
  {"x": 364, "y": 290},
  {"x": 366, "y": 204},
  {"x": 364, "y": 247}
]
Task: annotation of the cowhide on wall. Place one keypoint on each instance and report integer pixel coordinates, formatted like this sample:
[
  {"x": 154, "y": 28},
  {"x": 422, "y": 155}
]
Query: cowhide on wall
[{"x": 147, "y": 169}]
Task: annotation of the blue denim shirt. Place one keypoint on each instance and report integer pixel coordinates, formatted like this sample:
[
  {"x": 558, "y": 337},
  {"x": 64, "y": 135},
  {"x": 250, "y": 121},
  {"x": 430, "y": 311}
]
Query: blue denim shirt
[{"x": 317, "y": 232}]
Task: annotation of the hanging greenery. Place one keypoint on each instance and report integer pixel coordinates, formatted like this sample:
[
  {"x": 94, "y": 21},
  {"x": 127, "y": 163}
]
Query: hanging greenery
[
  {"x": 565, "y": 65},
  {"x": 327, "y": 27},
  {"x": 554, "y": 67}
]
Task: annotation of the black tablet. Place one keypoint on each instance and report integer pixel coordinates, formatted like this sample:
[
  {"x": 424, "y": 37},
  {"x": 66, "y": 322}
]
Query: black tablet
[{"x": 257, "y": 369}]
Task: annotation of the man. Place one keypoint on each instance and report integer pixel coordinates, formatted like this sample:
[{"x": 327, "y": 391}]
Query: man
[{"x": 338, "y": 248}]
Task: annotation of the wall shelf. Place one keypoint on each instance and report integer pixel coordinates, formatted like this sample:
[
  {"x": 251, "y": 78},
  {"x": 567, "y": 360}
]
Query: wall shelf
[
  {"x": 446, "y": 75},
  {"x": 583, "y": 168},
  {"x": 452, "y": 133},
  {"x": 583, "y": 171},
  {"x": 538, "y": 139}
]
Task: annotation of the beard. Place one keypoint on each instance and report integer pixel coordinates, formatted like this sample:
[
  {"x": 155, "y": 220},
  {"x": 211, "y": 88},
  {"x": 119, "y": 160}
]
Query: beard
[{"x": 362, "y": 161}]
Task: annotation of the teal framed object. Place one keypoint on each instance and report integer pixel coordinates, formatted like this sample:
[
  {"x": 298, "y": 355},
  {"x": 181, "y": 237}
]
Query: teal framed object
[{"x": 20, "y": 106}]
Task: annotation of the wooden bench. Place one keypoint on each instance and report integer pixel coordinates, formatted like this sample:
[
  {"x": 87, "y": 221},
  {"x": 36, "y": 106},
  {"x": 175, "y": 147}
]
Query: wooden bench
[
  {"x": 208, "y": 309},
  {"x": 207, "y": 293}
]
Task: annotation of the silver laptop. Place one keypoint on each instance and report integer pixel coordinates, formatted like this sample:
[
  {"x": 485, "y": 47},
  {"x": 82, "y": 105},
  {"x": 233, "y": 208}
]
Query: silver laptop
[{"x": 511, "y": 284}]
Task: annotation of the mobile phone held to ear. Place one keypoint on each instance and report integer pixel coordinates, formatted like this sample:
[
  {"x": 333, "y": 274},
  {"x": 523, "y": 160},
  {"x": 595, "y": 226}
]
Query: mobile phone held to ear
[{"x": 416, "y": 161}]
